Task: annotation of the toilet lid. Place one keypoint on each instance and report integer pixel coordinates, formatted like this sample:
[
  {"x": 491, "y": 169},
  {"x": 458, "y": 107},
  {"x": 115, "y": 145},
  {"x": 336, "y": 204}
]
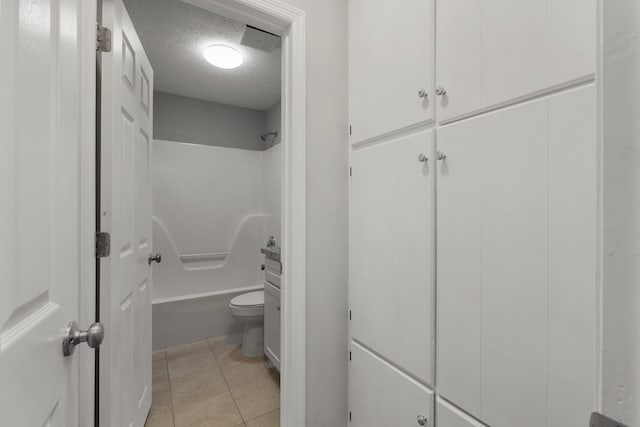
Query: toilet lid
[{"x": 249, "y": 299}]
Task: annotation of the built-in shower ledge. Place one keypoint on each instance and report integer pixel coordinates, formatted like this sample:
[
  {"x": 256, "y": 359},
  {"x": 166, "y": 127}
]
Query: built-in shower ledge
[{"x": 207, "y": 294}]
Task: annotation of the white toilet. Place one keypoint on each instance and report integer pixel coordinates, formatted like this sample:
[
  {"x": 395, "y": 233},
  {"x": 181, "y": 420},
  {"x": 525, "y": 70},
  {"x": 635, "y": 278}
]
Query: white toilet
[{"x": 249, "y": 308}]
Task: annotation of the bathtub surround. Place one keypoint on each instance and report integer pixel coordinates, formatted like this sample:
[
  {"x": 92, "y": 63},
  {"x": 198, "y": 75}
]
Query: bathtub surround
[
  {"x": 178, "y": 118},
  {"x": 214, "y": 208}
]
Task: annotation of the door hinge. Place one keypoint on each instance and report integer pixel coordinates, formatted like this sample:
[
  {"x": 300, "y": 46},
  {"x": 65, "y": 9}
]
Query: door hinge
[
  {"x": 103, "y": 244},
  {"x": 350, "y": 130},
  {"x": 599, "y": 420},
  {"x": 350, "y": 171},
  {"x": 349, "y": 356},
  {"x": 349, "y": 416},
  {"x": 103, "y": 39},
  {"x": 349, "y": 314}
]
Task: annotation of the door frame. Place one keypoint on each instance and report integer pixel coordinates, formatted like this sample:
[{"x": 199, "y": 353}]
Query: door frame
[
  {"x": 87, "y": 15},
  {"x": 290, "y": 23}
]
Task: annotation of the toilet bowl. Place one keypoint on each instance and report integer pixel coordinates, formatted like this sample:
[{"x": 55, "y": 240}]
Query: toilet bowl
[{"x": 249, "y": 309}]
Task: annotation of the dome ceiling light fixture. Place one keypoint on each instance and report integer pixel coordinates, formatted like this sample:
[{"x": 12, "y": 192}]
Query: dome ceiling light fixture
[{"x": 222, "y": 56}]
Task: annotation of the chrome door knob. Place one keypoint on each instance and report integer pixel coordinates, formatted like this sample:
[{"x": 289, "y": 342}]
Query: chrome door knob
[
  {"x": 74, "y": 336},
  {"x": 440, "y": 91},
  {"x": 423, "y": 93},
  {"x": 422, "y": 420},
  {"x": 440, "y": 155},
  {"x": 156, "y": 257},
  {"x": 422, "y": 158}
]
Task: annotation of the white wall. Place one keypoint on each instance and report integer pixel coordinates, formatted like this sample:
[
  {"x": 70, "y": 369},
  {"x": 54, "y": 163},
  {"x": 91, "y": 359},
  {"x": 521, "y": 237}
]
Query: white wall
[
  {"x": 326, "y": 325},
  {"x": 178, "y": 118},
  {"x": 621, "y": 197}
]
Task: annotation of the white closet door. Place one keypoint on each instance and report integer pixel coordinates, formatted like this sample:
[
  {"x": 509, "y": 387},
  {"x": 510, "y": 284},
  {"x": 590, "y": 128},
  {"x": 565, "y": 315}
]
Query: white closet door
[
  {"x": 381, "y": 395},
  {"x": 492, "y": 52},
  {"x": 516, "y": 263},
  {"x": 391, "y": 292},
  {"x": 390, "y": 61}
]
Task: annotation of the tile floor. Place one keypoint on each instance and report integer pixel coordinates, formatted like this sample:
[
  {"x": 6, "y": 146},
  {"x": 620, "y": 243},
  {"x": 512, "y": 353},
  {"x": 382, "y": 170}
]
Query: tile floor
[{"x": 210, "y": 384}]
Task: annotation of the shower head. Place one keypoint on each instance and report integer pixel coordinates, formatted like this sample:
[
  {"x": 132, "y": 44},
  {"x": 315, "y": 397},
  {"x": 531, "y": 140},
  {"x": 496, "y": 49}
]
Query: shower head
[{"x": 264, "y": 136}]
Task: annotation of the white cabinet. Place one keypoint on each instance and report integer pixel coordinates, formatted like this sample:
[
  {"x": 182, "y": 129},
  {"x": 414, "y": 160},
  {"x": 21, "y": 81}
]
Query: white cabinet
[
  {"x": 390, "y": 60},
  {"x": 495, "y": 51},
  {"x": 516, "y": 261},
  {"x": 381, "y": 395},
  {"x": 391, "y": 258},
  {"x": 272, "y": 323}
]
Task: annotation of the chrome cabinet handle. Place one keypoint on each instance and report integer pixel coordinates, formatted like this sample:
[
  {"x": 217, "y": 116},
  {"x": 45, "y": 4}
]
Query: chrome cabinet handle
[
  {"x": 422, "y": 158},
  {"x": 440, "y": 155},
  {"x": 440, "y": 91},
  {"x": 422, "y": 420},
  {"x": 156, "y": 257},
  {"x": 422, "y": 94},
  {"x": 74, "y": 336}
]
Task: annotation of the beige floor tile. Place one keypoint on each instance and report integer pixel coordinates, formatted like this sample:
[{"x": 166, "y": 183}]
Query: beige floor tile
[
  {"x": 189, "y": 348},
  {"x": 159, "y": 370},
  {"x": 272, "y": 419},
  {"x": 190, "y": 362},
  {"x": 197, "y": 386},
  {"x": 217, "y": 411},
  {"x": 162, "y": 419},
  {"x": 242, "y": 374},
  {"x": 160, "y": 398},
  {"x": 159, "y": 355},
  {"x": 257, "y": 399},
  {"x": 226, "y": 352}
]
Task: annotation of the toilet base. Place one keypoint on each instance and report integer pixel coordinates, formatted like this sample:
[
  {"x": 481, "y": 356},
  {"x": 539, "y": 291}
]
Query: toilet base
[{"x": 253, "y": 339}]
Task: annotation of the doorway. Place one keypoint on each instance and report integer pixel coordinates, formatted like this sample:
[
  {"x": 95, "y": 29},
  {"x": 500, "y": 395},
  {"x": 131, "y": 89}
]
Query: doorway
[{"x": 127, "y": 356}]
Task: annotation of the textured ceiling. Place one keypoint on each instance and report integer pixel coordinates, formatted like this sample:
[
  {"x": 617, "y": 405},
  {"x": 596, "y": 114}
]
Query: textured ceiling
[{"x": 174, "y": 34}]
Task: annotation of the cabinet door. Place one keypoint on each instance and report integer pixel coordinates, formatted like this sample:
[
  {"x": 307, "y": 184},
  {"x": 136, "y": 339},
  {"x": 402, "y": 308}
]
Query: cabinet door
[
  {"x": 390, "y": 60},
  {"x": 516, "y": 263},
  {"x": 381, "y": 395},
  {"x": 492, "y": 52},
  {"x": 391, "y": 261},
  {"x": 272, "y": 324}
]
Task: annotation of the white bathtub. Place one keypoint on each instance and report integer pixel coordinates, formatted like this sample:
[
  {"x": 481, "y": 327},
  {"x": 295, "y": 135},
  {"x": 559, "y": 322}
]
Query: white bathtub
[
  {"x": 195, "y": 318},
  {"x": 191, "y": 292}
]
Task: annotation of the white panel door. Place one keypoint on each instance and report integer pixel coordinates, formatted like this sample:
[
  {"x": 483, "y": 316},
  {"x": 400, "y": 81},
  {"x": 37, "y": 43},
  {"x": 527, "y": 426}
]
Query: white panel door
[
  {"x": 492, "y": 52},
  {"x": 390, "y": 61},
  {"x": 381, "y": 395},
  {"x": 46, "y": 229},
  {"x": 391, "y": 255},
  {"x": 516, "y": 263},
  {"x": 127, "y": 89}
]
